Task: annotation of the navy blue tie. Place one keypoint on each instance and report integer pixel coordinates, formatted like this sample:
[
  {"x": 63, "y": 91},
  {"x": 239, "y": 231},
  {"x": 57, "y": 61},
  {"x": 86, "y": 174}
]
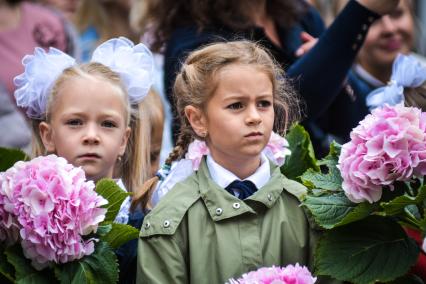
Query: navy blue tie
[{"x": 245, "y": 188}]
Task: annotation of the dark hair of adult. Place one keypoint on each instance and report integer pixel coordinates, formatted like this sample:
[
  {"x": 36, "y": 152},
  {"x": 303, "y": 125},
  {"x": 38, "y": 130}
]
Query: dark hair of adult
[{"x": 163, "y": 16}]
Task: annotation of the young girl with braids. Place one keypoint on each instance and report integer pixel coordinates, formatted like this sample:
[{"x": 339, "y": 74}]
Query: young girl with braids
[
  {"x": 235, "y": 211},
  {"x": 89, "y": 114}
]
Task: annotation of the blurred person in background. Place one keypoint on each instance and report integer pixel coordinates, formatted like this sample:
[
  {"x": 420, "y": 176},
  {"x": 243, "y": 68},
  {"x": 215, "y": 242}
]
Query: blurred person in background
[
  {"x": 387, "y": 37},
  {"x": 24, "y": 26},
  {"x": 286, "y": 28},
  {"x": 15, "y": 130},
  {"x": 66, "y": 10},
  {"x": 100, "y": 20}
]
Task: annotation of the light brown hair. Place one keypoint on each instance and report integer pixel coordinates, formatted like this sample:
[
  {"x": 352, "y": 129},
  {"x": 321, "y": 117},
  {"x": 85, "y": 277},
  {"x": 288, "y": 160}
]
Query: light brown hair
[
  {"x": 197, "y": 81},
  {"x": 135, "y": 160},
  {"x": 416, "y": 97}
]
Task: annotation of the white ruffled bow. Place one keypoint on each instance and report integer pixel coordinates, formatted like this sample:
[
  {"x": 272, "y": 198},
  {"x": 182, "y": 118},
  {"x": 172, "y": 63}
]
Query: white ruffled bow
[
  {"x": 407, "y": 71},
  {"x": 134, "y": 64}
]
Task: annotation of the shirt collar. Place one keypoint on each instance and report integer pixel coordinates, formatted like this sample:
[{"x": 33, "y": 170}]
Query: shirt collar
[{"x": 223, "y": 177}]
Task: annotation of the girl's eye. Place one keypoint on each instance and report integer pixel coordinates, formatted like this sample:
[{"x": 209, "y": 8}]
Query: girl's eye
[
  {"x": 109, "y": 124},
  {"x": 237, "y": 105},
  {"x": 74, "y": 122},
  {"x": 264, "y": 104}
]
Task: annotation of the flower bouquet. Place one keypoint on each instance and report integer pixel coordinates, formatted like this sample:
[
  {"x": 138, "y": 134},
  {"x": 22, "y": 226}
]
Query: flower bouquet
[
  {"x": 54, "y": 225},
  {"x": 291, "y": 274},
  {"x": 365, "y": 195}
]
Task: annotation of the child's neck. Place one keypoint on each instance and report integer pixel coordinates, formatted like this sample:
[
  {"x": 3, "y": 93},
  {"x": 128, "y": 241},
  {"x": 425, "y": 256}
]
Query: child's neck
[{"x": 242, "y": 168}]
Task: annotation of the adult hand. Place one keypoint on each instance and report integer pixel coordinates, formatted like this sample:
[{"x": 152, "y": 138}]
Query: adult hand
[
  {"x": 380, "y": 7},
  {"x": 308, "y": 42}
]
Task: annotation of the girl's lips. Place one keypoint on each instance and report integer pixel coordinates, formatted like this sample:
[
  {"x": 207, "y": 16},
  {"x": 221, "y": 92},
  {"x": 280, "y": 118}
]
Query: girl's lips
[
  {"x": 89, "y": 156},
  {"x": 392, "y": 45},
  {"x": 253, "y": 134}
]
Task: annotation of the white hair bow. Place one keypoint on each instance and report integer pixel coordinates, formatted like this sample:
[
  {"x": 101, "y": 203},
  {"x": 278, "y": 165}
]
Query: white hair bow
[
  {"x": 134, "y": 64},
  {"x": 407, "y": 71}
]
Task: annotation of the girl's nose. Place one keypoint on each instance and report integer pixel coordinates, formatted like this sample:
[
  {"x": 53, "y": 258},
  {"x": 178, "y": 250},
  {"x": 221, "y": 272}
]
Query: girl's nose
[
  {"x": 91, "y": 136},
  {"x": 387, "y": 24},
  {"x": 253, "y": 116}
]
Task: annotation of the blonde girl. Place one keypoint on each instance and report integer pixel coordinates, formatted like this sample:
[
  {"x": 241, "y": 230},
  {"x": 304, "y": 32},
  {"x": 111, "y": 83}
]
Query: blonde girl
[
  {"x": 236, "y": 211},
  {"x": 90, "y": 114}
]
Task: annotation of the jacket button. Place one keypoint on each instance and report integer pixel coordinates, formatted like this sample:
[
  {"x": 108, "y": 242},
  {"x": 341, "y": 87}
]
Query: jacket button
[
  {"x": 370, "y": 19},
  {"x": 147, "y": 225},
  {"x": 269, "y": 197},
  {"x": 354, "y": 46},
  {"x": 359, "y": 37},
  {"x": 236, "y": 205},
  {"x": 166, "y": 224},
  {"x": 364, "y": 27},
  {"x": 219, "y": 211}
]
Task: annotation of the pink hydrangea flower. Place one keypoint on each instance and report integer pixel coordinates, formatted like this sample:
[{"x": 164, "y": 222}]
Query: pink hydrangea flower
[
  {"x": 53, "y": 206},
  {"x": 388, "y": 145},
  {"x": 277, "y": 149},
  {"x": 291, "y": 274}
]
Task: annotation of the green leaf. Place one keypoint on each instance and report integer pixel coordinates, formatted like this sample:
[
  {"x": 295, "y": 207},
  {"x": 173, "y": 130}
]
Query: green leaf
[
  {"x": 104, "y": 229},
  {"x": 99, "y": 267},
  {"x": 25, "y": 273},
  {"x": 336, "y": 209},
  {"x": 6, "y": 269},
  {"x": 8, "y": 157},
  {"x": 332, "y": 180},
  {"x": 302, "y": 153},
  {"x": 115, "y": 196},
  {"x": 374, "y": 249},
  {"x": 120, "y": 234},
  {"x": 397, "y": 205}
]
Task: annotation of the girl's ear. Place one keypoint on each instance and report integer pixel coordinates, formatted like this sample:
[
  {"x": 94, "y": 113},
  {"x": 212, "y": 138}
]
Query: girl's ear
[
  {"x": 46, "y": 136},
  {"x": 197, "y": 119},
  {"x": 124, "y": 141}
]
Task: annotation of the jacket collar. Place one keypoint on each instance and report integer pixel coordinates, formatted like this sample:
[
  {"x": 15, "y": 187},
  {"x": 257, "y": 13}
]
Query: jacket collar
[{"x": 222, "y": 205}]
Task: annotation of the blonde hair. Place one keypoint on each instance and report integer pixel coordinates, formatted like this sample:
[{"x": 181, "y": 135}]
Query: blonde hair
[
  {"x": 135, "y": 158},
  {"x": 197, "y": 81},
  {"x": 153, "y": 106}
]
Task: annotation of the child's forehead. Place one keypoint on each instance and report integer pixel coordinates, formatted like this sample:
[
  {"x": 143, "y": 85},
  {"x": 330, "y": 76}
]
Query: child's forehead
[
  {"x": 92, "y": 90},
  {"x": 92, "y": 83}
]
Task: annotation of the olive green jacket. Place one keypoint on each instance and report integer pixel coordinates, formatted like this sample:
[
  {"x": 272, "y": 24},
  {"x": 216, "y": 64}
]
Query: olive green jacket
[{"x": 199, "y": 233}]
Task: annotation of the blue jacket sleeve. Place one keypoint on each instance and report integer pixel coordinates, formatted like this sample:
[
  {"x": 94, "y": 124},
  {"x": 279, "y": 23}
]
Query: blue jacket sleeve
[{"x": 320, "y": 73}]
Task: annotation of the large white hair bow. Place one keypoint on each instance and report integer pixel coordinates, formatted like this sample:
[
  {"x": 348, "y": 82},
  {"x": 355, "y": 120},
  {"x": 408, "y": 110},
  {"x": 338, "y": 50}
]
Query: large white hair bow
[
  {"x": 407, "y": 71},
  {"x": 133, "y": 63}
]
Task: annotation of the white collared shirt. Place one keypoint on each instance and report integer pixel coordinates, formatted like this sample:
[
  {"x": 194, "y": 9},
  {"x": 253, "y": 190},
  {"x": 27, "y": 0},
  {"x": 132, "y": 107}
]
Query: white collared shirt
[{"x": 223, "y": 177}]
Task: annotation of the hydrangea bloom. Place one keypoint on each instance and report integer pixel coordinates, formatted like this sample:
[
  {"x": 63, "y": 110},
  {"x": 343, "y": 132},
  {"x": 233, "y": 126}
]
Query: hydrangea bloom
[
  {"x": 277, "y": 149},
  {"x": 291, "y": 274},
  {"x": 388, "y": 145},
  {"x": 53, "y": 206}
]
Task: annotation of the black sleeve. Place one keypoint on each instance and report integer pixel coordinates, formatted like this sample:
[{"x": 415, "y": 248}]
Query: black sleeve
[{"x": 319, "y": 75}]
